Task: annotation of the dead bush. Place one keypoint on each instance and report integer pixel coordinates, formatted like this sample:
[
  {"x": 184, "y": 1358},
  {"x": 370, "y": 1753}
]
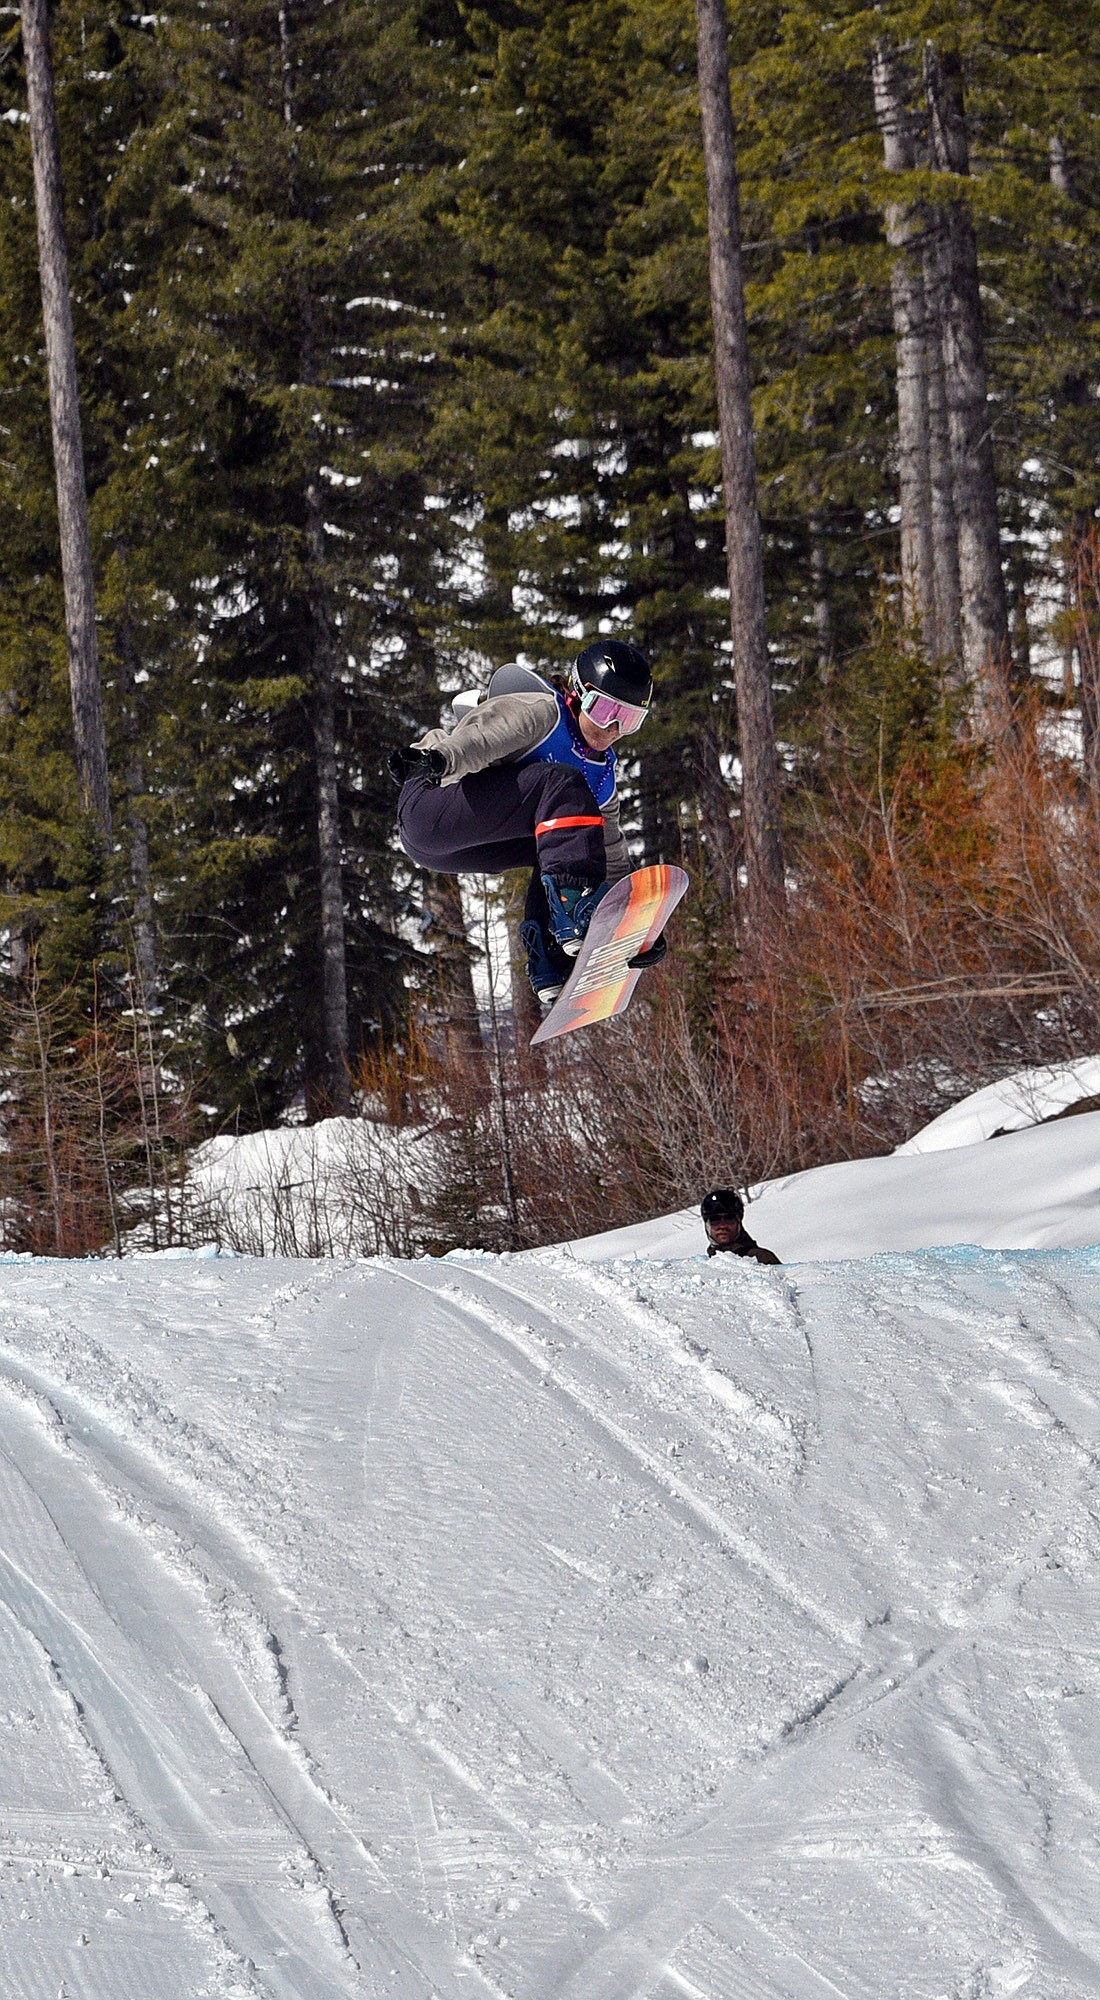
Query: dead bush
[
  {"x": 94, "y": 1135},
  {"x": 344, "y": 1188}
]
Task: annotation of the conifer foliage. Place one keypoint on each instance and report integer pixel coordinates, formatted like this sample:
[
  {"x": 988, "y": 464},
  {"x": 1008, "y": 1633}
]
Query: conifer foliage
[
  {"x": 258, "y": 278},
  {"x": 303, "y": 299},
  {"x": 395, "y": 351}
]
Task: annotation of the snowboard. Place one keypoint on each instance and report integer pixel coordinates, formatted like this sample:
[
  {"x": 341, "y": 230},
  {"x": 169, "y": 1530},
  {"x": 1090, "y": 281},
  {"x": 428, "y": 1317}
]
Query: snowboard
[{"x": 630, "y": 917}]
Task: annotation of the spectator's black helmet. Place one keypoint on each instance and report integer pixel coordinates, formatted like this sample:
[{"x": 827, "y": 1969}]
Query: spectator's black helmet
[
  {"x": 722, "y": 1205},
  {"x": 616, "y": 668}
]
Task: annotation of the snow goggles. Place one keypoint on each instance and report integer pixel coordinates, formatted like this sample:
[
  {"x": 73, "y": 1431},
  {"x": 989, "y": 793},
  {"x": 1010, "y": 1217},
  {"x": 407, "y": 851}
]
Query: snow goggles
[{"x": 603, "y": 710}]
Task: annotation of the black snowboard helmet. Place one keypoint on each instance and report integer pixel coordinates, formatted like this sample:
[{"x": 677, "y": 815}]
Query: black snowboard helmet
[
  {"x": 612, "y": 666},
  {"x": 722, "y": 1205}
]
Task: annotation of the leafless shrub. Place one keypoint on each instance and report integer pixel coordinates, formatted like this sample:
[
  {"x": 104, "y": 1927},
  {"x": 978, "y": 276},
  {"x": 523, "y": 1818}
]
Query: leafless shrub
[
  {"x": 1078, "y": 628},
  {"x": 93, "y": 1135},
  {"x": 347, "y": 1188}
]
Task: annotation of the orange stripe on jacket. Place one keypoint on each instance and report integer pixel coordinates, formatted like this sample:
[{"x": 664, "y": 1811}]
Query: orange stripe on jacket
[{"x": 575, "y": 819}]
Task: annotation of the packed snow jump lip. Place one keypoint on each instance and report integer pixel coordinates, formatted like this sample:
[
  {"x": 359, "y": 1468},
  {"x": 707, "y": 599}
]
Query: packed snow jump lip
[{"x": 555, "y": 1624}]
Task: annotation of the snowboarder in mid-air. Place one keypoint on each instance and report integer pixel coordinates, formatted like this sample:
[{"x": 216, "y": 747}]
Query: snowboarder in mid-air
[
  {"x": 723, "y": 1213},
  {"x": 526, "y": 778}
]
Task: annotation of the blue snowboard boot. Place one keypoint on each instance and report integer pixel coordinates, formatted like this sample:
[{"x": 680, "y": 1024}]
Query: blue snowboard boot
[
  {"x": 547, "y": 969},
  {"x": 571, "y": 905}
]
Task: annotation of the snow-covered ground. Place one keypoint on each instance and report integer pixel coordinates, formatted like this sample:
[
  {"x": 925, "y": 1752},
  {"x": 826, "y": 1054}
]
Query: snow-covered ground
[
  {"x": 1026, "y": 1098},
  {"x": 1035, "y": 1187},
  {"x": 562, "y": 1628},
  {"x": 324, "y": 1190}
]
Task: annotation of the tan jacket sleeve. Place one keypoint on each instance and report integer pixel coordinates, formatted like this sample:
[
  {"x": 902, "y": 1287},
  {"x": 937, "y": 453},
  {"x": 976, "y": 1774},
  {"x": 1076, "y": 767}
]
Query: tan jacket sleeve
[{"x": 497, "y": 732}]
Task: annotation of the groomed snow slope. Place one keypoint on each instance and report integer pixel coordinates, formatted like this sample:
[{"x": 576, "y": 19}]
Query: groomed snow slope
[
  {"x": 550, "y": 1629},
  {"x": 1036, "y": 1190}
]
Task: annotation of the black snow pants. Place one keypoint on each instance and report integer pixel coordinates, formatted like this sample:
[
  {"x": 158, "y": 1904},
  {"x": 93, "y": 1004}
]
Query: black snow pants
[
  {"x": 542, "y": 816},
  {"x": 511, "y": 816}
]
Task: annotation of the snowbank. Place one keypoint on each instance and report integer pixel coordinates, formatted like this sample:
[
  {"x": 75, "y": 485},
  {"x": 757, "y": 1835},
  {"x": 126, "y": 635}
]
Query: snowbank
[
  {"x": 1017, "y": 1101},
  {"x": 1033, "y": 1189},
  {"x": 530, "y": 1627},
  {"x": 335, "y": 1188},
  {"x": 345, "y": 1185}
]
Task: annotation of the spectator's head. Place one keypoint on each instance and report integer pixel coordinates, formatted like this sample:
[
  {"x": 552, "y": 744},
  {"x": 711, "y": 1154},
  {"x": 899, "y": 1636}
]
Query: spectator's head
[{"x": 723, "y": 1213}]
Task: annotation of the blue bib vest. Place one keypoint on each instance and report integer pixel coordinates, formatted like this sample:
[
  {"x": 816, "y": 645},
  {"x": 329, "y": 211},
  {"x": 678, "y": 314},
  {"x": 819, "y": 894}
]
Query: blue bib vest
[{"x": 564, "y": 744}]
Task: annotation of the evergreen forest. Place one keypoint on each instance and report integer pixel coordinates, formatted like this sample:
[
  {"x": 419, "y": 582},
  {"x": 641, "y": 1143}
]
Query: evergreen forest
[{"x": 394, "y": 343}]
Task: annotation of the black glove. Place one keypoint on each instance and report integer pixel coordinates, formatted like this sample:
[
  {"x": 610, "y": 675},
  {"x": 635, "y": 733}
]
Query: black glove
[
  {"x": 652, "y": 955},
  {"x": 429, "y": 764}
]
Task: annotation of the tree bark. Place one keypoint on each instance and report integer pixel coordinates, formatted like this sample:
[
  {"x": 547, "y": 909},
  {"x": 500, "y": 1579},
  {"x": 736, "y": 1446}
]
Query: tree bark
[
  {"x": 334, "y": 980},
  {"x": 526, "y": 1020},
  {"x": 905, "y": 234},
  {"x": 1082, "y": 591},
  {"x": 984, "y": 607},
  {"x": 335, "y": 1096},
  {"x": 454, "y": 974},
  {"x": 744, "y": 551},
  {"x": 945, "y": 527},
  {"x": 145, "y": 946},
  {"x": 89, "y": 728}
]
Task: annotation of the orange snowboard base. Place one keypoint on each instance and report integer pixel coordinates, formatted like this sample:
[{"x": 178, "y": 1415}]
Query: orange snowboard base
[{"x": 630, "y": 917}]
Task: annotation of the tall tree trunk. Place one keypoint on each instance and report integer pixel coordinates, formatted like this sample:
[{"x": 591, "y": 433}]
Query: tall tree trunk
[
  {"x": 1082, "y": 588},
  {"x": 1074, "y": 393},
  {"x": 526, "y": 1020},
  {"x": 455, "y": 978},
  {"x": 145, "y": 947},
  {"x": 89, "y": 728},
  {"x": 334, "y": 978},
  {"x": 905, "y": 235},
  {"x": 945, "y": 527},
  {"x": 984, "y": 606},
  {"x": 744, "y": 552},
  {"x": 335, "y": 1095}
]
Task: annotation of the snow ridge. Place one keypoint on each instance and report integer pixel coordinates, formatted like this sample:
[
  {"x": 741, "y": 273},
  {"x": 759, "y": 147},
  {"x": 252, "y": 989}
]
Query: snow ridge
[{"x": 540, "y": 1627}]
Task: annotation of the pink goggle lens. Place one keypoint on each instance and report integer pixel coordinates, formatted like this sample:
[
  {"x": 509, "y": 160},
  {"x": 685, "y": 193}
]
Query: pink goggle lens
[{"x": 604, "y": 710}]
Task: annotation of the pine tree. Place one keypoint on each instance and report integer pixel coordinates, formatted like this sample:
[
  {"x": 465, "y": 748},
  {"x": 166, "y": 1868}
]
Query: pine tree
[
  {"x": 51, "y": 873},
  {"x": 814, "y": 183},
  {"x": 394, "y": 347},
  {"x": 257, "y": 273},
  {"x": 744, "y": 565},
  {"x": 300, "y": 307}
]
